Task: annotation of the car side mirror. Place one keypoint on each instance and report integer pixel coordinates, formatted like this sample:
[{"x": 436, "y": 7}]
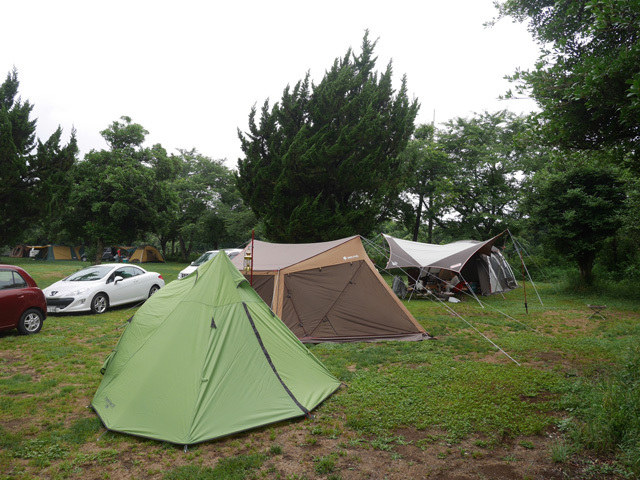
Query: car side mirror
[{"x": 117, "y": 279}]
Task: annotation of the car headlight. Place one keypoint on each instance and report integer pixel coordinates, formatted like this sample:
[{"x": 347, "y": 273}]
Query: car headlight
[{"x": 78, "y": 292}]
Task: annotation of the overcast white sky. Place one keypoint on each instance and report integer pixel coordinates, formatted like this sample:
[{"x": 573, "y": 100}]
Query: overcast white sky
[{"x": 190, "y": 71}]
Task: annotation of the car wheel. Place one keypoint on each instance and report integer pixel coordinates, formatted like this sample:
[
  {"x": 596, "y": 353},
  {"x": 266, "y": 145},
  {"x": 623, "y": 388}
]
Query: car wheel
[
  {"x": 30, "y": 322},
  {"x": 153, "y": 290},
  {"x": 100, "y": 303}
]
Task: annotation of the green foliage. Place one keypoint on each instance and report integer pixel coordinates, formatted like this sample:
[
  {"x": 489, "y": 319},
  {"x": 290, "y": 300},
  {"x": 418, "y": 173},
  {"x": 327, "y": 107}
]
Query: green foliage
[
  {"x": 117, "y": 196},
  {"x": 53, "y": 163},
  {"x": 323, "y": 162},
  {"x": 485, "y": 158},
  {"x": 33, "y": 185},
  {"x": 587, "y": 80},
  {"x": 110, "y": 200},
  {"x": 210, "y": 212},
  {"x": 587, "y": 84},
  {"x": 577, "y": 208},
  {"x": 324, "y": 465},
  {"x": 428, "y": 178},
  {"x": 608, "y": 411}
]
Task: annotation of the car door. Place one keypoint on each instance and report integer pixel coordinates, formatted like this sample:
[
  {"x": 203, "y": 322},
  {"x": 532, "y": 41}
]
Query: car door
[
  {"x": 141, "y": 283},
  {"x": 126, "y": 290},
  {"x": 119, "y": 292},
  {"x": 13, "y": 298}
]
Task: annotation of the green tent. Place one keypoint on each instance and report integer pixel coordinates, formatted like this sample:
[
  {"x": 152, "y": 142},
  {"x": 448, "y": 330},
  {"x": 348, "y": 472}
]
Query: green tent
[{"x": 204, "y": 358}]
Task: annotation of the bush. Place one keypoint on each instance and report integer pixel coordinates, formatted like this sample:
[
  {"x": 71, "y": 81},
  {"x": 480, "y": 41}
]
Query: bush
[{"x": 609, "y": 411}]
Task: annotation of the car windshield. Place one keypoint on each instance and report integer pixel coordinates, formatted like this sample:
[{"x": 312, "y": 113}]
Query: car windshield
[
  {"x": 89, "y": 274},
  {"x": 203, "y": 258}
]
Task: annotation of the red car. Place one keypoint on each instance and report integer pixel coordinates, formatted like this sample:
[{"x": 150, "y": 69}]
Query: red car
[{"x": 22, "y": 303}]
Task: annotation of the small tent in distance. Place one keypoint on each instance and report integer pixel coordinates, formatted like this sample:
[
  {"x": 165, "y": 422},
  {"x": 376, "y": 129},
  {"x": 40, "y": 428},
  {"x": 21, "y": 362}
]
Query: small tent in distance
[
  {"x": 480, "y": 264},
  {"x": 329, "y": 292},
  {"x": 20, "y": 251},
  {"x": 145, "y": 254},
  {"x": 205, "y": 358},
  {"x": 55, "y": 252}
]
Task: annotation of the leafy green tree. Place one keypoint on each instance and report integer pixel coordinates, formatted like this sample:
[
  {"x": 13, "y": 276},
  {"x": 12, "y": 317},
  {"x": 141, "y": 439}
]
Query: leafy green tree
[
  {"x": 114, "y": 199},
  {"x": 587, "y": 80},
  {"x": 576, "y": 206},
  {"x": 323, "y": 162},
  {"x": 164, "y": 196},
  {"x": 54, "y": 162},
  {"x": 485, "y": 169},
  {"x": 210, "y": 212},
  {"x": 34, "y": 184},
  {"x": 428, "y": 177}
]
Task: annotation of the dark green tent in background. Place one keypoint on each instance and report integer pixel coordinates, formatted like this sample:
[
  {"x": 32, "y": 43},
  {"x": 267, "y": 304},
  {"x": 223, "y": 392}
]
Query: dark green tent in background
[
  {"x": 204, "y": 358},
  {"x": 54, "y": 252}
]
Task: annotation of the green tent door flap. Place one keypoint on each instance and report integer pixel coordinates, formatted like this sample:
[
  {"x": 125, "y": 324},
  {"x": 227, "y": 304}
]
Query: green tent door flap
[{"x": 204, "y": 358}]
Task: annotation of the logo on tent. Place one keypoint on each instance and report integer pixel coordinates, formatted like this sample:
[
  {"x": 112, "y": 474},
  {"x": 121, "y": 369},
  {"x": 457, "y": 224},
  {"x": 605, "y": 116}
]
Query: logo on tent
[{"x": 349, "y": 258}]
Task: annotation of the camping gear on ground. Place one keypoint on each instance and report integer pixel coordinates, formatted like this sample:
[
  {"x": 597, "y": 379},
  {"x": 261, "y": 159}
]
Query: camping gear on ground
[
  {"x": 597, "y": 311},
  {"x": 328, "y": 292},
  {"x": 205, "y": 358},
  {"x": 146, "y": 253},
  {"x": 480, "y": 264}
]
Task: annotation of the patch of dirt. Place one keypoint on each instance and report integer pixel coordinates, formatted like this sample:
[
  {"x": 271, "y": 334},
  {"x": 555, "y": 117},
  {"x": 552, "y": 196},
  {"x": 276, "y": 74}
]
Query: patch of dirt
[{"x": 419, "y": 454}]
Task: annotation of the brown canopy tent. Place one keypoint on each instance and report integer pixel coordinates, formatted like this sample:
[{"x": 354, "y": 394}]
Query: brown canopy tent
[{"x": 328, "y": 292}]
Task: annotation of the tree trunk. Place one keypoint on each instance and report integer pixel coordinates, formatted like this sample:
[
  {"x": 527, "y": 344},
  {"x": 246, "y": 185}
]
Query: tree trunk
[
  {"x": 585, "y": 264},
  {"x": 100, "y": 248},
  {"x": 431, "y": 222},
  {"x": 416, "y": 226},
  {"x": 186, "y": 251}
]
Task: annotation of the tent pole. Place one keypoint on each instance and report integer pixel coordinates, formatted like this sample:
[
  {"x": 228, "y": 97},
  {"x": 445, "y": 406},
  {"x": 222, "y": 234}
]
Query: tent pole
[
  {"x": 415, "y": 285},
  {"x": 524, "y": 283},
  {"x": 252, "y": 255}
]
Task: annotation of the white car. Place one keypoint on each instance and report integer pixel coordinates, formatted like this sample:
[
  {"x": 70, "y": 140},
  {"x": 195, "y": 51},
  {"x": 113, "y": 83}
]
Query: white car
[
  {"x": 99, "y": 287},
  {"x": 231, "y": 252}
]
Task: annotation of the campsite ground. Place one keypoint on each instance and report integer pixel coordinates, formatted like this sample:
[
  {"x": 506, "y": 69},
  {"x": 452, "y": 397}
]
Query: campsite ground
[{"x": 454, "y": 407}]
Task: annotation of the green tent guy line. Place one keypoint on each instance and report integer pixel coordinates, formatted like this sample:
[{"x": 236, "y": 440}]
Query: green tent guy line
[{"x": 204, "y": 358}]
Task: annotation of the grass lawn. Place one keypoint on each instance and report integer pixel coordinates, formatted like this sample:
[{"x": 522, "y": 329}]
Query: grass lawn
[{"x": 452, "y": 407}]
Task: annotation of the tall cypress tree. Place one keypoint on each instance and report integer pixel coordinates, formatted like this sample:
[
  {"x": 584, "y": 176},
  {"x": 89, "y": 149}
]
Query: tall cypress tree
[
  {"x": 33, "y": 185},
  {"x": 323, "y": 162}
]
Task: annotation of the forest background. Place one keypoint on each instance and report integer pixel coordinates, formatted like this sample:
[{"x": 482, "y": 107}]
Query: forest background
[{"x": 344, "y": 157}]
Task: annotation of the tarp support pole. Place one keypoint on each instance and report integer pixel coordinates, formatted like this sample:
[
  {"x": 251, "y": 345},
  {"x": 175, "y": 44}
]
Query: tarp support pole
[
  {"x": 515, "y": 244},
  {"x": 252, "y": 255}
]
